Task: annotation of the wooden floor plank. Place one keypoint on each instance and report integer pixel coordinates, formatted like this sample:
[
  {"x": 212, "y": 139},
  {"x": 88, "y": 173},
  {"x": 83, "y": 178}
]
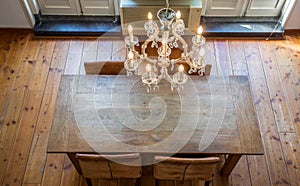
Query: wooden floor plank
[
  {"x": 210, "y": 57},
  {"x": 74, "y": 57},
  {"x": 268, "y": 128},
  {"x": 240, "y": 174},
  {"x": 10, "y": 128},
  {"x": 277, "y": 94},
  {"x": 6, "y": 39},
  {"x": 258, "y": 170},
  {"x": 296, "y": 51},
  {"x": 291, "y": 149},
  {"x": 70, "y": 177},
  {"x": 12, "y": 63},
  {"x": 104, "y": 51},
  {"x": 223, "y": 58},
  {"x": 118, "y": 51},
  {"x": 9, "y": 70},
  {"x": 237, "y": 55},
  {"x": 40, "y": 139},
  {"x": 290, "y": 79},
  {"x": 287, "y": 54},
  {"x": 20, "y": 152},
  {"x": 89, "y": 53},
  {"x": 53, "y": 170},
  {"x": 42, "y": 65},
  {"x": 13, "y": 108},
  {"x": 32, "y": 79}
]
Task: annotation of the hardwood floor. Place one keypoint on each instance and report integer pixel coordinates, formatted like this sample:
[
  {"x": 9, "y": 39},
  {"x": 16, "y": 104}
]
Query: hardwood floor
[{"x": 30, "y": 74}]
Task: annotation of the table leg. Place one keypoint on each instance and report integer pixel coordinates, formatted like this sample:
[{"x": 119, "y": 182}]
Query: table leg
[
  {"x": 229, "y": 164},
  {"x": 75, "y": 162}
]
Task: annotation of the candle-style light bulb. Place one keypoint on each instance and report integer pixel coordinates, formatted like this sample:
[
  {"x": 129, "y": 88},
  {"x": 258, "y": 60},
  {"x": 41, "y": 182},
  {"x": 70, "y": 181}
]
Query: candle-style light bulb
[
  {"x": 199, "y": 34},
  {"x": 148, "y": 68},
  {"x": 148, "y": 71},
  {"x": 130, "y": 32},
  {"x": 180, "y": 68},
  {"x": 202, "y": 52},
  {"x": 150, "y": 16},
  {"x": 178, "y": 15},
  {"x": 180, "y": 73},
  {"x": 200, "y": 30},
  {"x": 130, "y": 57},
  {"x": 130, "y": 29}
]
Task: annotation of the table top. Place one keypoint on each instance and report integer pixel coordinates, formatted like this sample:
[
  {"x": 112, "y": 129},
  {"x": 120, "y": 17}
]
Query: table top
[{"x": 107, "y": 114}]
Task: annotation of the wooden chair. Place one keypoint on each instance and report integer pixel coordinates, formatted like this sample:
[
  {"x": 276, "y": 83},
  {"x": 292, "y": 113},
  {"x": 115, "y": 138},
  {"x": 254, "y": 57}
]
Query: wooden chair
[
  {"x": 110, "y": 166},
  {"x": 194, "y": 169},
  {"x": 117, "y": 68},
  {"x": 105, "y": 68}
]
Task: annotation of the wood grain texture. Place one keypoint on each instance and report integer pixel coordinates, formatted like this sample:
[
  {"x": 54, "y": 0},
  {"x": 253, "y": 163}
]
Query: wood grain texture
[
  {"x": 53, "y": 170},
  {"x": 268, "y": 127},
  {"x": 68, "y": 137},
  {"x": 277, "y": 93},
  {"x": 39, "y": 144},
  {"x": 19, "y": 48},
  {"x": 258, "y": 170},
  {"x": 291, "y": 147},
  {"x": 222, "y": 57},
  {"x": 90, "y": 50},
  {"x": 20, "y": 152},
  {"x": 13, "y": 110},
  {"x": 74, "y": 57}
]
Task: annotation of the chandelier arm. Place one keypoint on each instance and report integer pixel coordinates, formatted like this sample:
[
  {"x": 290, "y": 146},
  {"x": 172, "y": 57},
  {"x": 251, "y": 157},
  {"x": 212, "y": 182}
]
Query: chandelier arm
[
  {"x": 178, "y": 60},
  {"x": 168, "y": 78},
  {"x": 159, "y": 78},
  {"x": 151, "y": 39},
  {"x": 188, "y": 61},
  {"x": 177, "y": 36},
  {"x": 153, "y": 61}
]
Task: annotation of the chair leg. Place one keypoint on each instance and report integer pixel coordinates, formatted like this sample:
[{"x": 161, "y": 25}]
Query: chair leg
[
  {"x": 156, "y": 182},
  {"x": 88, "y": 181},
  {"x": 207, "y": 183},
  {"x": 138, "y": 182}
]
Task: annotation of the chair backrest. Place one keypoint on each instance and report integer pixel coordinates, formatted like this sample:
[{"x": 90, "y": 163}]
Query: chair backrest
[
  {"x": 117, "y": 68},
  {"x": 105, "y": 68},
  {"x": 185, "y": 168},
  {"x": 110, "y": 166}
]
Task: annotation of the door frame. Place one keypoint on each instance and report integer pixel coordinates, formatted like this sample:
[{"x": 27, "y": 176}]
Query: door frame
[
  {"x": 287, "y": 9},
  {"x": 243, "y": 7}
]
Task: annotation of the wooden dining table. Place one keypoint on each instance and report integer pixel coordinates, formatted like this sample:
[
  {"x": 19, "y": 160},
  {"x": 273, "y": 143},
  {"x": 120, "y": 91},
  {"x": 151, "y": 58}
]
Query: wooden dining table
[{"x": 105, "y": 114}]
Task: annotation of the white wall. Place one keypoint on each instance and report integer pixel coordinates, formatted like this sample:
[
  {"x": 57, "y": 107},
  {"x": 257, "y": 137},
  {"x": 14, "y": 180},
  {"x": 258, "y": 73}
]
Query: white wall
[
  {"x": 293, "y": 21},
  {"x": 12, "y": 15}
]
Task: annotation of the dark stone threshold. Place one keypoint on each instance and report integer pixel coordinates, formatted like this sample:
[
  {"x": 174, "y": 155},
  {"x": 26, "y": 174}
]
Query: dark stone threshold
[
  {"x": 262, "y": 27},
  {"x": 77, "y": 26}
]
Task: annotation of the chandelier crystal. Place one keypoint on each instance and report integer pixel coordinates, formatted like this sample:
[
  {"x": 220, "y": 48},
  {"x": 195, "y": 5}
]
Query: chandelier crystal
[{"x": 165, "y": 38}]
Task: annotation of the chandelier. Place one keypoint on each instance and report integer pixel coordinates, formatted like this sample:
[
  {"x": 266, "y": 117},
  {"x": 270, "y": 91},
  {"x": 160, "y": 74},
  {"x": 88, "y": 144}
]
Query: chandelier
[{"x": 164, "y": 39}]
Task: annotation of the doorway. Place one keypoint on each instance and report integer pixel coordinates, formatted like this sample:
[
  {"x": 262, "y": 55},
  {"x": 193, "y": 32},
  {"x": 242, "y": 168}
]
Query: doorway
[
  {"x": 78, "y": 18},
  {"x": 244, "y": 18},
  {"x": 77, "y": 7},
  {"x": 239, "y": 8}
]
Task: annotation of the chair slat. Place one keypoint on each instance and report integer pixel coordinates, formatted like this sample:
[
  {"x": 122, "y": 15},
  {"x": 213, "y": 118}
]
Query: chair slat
[
  {"x": 110, "y": 166},
  {"x": 185, "y": 168}
]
